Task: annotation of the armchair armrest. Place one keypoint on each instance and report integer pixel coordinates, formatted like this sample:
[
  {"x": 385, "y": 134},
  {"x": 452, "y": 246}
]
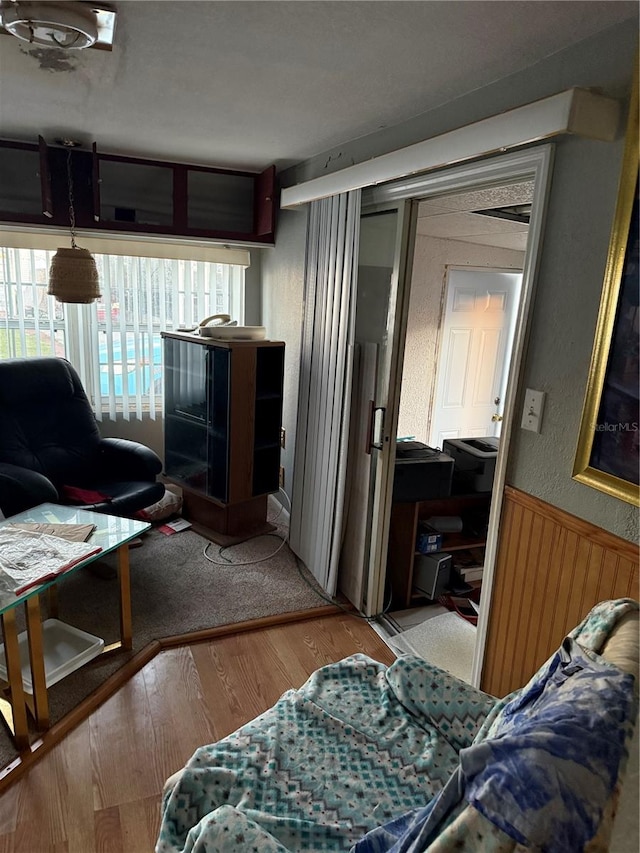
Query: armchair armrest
[
  {"x": 21, "y": 488},
  {"x": 128, "y": 460}
]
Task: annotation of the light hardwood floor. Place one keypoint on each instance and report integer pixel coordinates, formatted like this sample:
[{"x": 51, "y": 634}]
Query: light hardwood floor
[{"x": 98, "y": 791}]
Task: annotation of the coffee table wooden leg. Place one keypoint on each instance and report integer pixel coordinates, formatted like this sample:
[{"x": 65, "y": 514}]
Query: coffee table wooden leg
[
  {"x": 18, "y": 712},
  {"x": 124, "y": 576},
  {"x": 36, "y": 658},
  {"x": 53, "y": 600}
]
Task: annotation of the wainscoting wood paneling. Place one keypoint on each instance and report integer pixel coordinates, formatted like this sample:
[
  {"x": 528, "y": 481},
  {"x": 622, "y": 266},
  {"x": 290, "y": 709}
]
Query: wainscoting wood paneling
[{"x": 552, "y": 567}]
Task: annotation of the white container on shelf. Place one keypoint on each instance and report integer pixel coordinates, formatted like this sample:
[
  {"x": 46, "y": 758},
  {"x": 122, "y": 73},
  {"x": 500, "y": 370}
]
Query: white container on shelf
[{"x": 65, "y": 649}]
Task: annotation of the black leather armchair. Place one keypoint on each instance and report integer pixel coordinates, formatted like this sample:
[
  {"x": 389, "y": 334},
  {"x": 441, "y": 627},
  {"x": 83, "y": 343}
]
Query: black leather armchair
[{"x": 51, "y": 448}]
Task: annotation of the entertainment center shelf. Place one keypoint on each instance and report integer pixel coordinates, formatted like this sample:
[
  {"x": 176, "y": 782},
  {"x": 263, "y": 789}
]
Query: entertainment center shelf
[{"x": 403, "y": 534}]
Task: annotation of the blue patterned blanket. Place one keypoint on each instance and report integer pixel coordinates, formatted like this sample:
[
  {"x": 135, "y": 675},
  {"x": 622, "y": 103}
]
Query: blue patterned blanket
[
  {"x": 356, "y": 745},
  {"x": 408, "y": 758}
]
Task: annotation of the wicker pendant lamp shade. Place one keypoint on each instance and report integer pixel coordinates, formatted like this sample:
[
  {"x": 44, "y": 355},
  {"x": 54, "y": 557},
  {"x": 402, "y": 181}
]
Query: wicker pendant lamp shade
[{"x": 73, "y": 274}]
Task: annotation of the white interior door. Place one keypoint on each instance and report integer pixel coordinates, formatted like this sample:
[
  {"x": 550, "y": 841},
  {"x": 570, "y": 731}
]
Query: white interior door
[{"x": 475, "y": 352}]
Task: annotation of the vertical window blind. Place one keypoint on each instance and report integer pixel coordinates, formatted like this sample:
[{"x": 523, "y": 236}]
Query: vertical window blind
[{"x": 114, "y": 343}]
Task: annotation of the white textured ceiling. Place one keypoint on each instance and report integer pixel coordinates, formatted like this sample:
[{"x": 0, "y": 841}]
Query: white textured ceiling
[
  {"x": 246, "y": 84},
  {"x": 454, "y": 217}
]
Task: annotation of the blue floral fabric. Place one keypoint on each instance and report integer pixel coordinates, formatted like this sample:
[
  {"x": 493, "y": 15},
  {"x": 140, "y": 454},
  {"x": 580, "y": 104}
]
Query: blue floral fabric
[{"x": 546, "y": 761}]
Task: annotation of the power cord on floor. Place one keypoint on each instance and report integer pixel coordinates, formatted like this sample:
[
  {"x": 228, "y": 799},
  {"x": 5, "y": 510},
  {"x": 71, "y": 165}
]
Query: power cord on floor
[
  {"x": 299, "y": 565},
  {"x": 244, "y": 562},
  {"x": 331, "y": 600},
  {"x": 228, "y": 562}
]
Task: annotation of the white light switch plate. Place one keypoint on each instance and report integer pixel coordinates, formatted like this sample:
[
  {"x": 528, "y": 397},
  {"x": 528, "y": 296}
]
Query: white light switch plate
[{"x": 532, "y": 410}]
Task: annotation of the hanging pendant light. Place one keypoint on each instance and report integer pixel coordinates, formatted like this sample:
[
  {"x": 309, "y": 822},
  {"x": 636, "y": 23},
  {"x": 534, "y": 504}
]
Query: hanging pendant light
[{"x": 73, "y": 275}]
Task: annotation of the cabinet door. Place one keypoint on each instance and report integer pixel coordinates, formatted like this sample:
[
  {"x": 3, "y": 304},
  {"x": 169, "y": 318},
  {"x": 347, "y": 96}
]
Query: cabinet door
[
  {"x": 135, "y": 194},
  {"x": 220, "y": 201},
  {"x": 45, "y": 179},
  {"x": 25, "y": 188},
  {"x": 219, "y": 369},
  {"x": 186, "y": 414},
  {"x": 265, "y": 203}
]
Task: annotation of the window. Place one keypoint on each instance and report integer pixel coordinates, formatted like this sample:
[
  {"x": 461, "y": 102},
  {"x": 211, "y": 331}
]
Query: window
[{"x": 115, "y": 342}]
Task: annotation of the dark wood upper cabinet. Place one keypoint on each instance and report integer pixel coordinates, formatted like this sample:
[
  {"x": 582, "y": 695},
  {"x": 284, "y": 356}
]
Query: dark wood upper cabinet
[{"x": 135, "y": 195}]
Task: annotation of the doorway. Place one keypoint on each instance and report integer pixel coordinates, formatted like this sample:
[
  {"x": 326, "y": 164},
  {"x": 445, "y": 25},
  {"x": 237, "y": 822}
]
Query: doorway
[
  {"x": 481, "y": 184},
  {"x": 465, "y": 292}
]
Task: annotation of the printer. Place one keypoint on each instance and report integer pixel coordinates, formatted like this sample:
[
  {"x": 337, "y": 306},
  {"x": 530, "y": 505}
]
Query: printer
[{"x": 474, "y": 461}]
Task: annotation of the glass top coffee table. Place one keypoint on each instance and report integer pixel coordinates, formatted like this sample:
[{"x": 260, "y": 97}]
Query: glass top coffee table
[{"x": 111, "y": 534}]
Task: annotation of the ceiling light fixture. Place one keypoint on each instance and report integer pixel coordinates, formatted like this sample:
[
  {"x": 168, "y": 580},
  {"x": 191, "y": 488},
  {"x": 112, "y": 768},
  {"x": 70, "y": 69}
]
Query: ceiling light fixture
[
  {"x": 73, "y": 274},
  {"x": 71, "y": 25}
]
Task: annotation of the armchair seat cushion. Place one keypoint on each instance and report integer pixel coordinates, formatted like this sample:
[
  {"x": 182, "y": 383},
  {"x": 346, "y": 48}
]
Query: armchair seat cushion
[{"x": 125, "y": 498}]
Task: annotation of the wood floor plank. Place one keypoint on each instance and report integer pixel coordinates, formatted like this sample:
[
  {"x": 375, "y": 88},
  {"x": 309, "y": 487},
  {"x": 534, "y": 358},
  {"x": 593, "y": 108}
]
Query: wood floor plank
[
  {"x": 41, "y": 812},
  {"x": 58, "y": 798},
  {"x": 123, "y": 740},
  {"x": 108, "y": 831},
  {"x": 9, "y": 809},
  {"x": 140, "y": 824},
  {"x": 99, "y": 789},
  {"x": 77, "y": 791},
  {"x": 180, "y": 715},
  {"x": 235, "y": 686}
]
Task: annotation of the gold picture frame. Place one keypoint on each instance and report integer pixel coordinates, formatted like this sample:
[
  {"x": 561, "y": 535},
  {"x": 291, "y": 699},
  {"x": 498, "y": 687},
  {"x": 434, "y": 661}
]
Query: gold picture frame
[{"x": 607, "y": 456}]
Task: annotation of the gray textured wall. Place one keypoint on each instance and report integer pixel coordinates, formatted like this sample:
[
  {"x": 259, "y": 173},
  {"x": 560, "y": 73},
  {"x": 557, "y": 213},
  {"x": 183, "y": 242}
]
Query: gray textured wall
[
  {"x": 282, "y": 307},
  {"x": 576, "y": 238},
  {"x": 568, "y": 292}
]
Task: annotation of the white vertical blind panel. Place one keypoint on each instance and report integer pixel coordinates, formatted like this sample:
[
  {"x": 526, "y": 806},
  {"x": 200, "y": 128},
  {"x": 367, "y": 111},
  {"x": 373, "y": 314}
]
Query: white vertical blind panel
[
  {"x": 122, "y": 280},
  {"x": 325, "y": 384},
  {"x": 149, "y": 335},
  {"x": 138, "y": 366}
]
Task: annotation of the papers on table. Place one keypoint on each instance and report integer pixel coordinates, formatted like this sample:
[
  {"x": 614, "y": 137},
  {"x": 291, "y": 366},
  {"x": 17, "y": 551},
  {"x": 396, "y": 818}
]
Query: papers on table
[
  {"x": 71, "y": 532},
  {"x": 29, "y": 558}
]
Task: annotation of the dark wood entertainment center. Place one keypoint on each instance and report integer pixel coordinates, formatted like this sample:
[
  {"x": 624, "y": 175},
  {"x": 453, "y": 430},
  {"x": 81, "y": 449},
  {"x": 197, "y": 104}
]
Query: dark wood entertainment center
[{"x": 223, "y": 412}]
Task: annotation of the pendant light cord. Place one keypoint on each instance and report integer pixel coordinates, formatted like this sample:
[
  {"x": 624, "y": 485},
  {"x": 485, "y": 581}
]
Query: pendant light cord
[{"x": 72, "y": 213}]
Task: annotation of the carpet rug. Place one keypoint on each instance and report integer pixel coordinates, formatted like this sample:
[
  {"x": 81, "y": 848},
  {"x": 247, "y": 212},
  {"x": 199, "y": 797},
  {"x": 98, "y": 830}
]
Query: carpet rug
[
  {"x": 447, "y": 641},
  {"x": 174, "y": 590}
]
